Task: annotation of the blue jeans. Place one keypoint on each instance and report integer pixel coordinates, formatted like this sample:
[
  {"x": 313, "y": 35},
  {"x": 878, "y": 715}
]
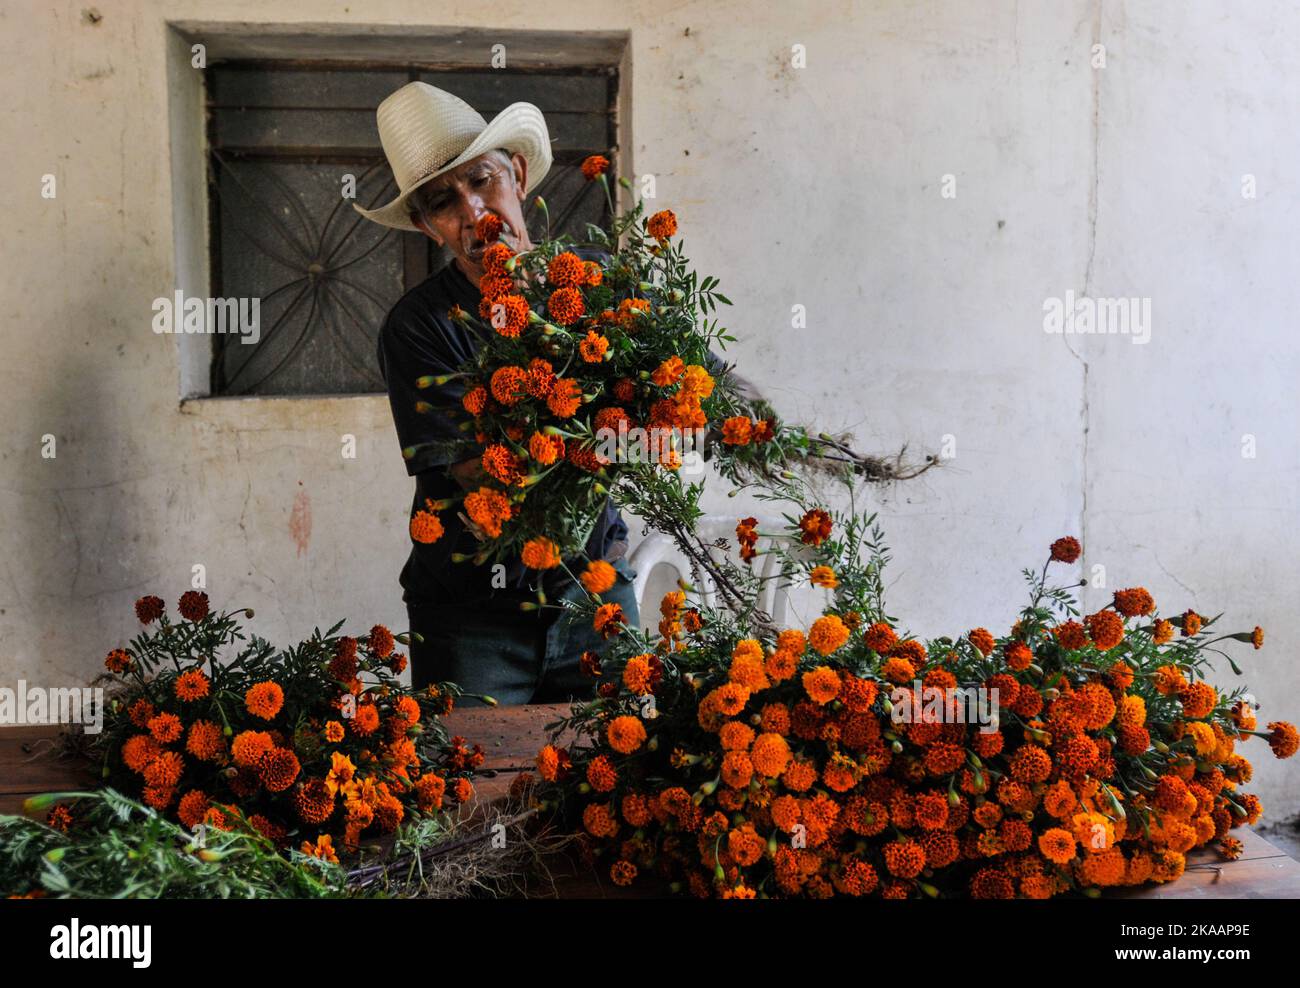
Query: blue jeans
[{"x": 514, "y": 656}]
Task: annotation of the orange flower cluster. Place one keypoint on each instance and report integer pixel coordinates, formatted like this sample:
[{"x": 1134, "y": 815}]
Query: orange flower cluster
[
  {"x": 852, "y": 760},
  {"x": 309, "y": 753},
  {"x": 575, "y": 350}
]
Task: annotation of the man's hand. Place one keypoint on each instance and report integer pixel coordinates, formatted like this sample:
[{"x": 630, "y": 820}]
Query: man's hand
[{"x": 468, "y": 473}]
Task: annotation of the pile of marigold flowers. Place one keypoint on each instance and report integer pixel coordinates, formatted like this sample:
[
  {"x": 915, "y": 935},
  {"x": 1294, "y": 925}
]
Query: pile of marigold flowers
[
  {"x": 581, "y": 343},
  {"x": 318, "y": 747},
  {"x": 733, "y": 759}
]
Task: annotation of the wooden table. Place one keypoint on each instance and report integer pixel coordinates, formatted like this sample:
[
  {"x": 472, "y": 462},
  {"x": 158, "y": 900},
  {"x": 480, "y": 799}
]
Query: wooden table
[{"x": 511, "y": 736}]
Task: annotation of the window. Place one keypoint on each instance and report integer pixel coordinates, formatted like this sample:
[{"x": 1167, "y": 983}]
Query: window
[{"x": 282, "y": 136}]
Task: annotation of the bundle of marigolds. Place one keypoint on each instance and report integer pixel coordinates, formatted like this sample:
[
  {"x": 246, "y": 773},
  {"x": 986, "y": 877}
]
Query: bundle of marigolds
[
  {"x": 317, "y": 747},
  {"x": 593, "y": 365},
  {"x": 737, "y": 760}
]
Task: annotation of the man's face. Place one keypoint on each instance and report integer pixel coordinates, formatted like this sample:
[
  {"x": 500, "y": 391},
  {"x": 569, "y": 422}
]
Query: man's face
[{"x": 455, "y": 201}]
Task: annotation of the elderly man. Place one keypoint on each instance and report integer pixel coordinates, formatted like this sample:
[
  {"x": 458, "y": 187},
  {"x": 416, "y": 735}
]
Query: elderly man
[{"x": 452, "y": 167}]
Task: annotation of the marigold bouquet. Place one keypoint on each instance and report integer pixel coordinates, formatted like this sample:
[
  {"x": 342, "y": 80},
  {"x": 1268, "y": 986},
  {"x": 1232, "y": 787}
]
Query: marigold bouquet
[
  {"x": 317, "y": 746},
  {"x": 595, "y": 372},
  {"x": 733, "y": 759}
]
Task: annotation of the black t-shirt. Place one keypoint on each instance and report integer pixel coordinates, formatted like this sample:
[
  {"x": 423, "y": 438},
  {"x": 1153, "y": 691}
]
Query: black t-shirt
[{"x": 419, "y": 338}]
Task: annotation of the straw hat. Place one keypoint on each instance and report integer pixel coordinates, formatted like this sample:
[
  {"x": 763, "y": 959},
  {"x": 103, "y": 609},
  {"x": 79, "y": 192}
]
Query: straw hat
[{"x": 426, "y": 131}]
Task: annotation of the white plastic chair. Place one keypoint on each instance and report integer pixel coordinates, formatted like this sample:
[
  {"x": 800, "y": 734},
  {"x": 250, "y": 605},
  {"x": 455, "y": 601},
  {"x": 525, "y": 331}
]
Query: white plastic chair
[{"x": 658, "y": 548}]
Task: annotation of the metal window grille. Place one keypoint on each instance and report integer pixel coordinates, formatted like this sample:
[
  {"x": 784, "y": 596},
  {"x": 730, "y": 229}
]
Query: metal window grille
[{"x": 282, "y": 136}]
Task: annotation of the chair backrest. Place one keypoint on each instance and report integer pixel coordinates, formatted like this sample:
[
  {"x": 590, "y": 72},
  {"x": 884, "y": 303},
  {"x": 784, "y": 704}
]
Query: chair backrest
[{"x": 658, "y": 548}]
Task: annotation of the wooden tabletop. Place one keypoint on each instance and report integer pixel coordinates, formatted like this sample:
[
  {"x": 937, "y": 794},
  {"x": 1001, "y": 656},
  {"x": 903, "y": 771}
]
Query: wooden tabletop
[{"x": 511, "y": 736}]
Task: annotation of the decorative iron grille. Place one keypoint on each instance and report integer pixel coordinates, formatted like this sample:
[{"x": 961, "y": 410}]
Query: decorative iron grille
[{"x": 282, "y": 136}]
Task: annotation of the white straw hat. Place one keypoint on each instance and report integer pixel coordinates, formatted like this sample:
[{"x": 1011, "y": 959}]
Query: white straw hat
[{"x": 426, "y": 131}]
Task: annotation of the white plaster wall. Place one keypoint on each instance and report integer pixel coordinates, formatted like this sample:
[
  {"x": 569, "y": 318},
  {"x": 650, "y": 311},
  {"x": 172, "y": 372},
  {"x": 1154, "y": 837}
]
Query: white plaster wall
[{"x": 818, "y": 186}]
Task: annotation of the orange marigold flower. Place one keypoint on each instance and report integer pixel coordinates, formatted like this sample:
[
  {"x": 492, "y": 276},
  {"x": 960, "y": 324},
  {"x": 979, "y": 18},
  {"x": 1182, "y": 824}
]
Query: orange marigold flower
[
  {"x": 545, "y": 449},
  {"x": 1106, "y": 628},
  {"x": 507, "y": 385},
  {"x": 1169, "y": 680},
  {"x": 599, "y": 821},
  {"x": 1031, "y": 763},
  {"x": 1191, "y": 623},
  {"x": 323, "y": 848},
  {"x": 138, "y": 752},
  {"x": 609, "y": 620},
  {"x": 911, "y": 650},
  {"x": 539, "y": 380},
  {"x": 904, "y": 858},
  {"x": 117, "y": 661},
  {"x": 264, "y": 700},
  {"x": 880, "y": 638},
  {"x": 205, "y": 741},
  {"x": 736, "y": 430},
  {"x": 1199, "y": 700},
  {"x": 488, "y": 227},
  {"x": 594, "y": 165},
  {"x": 475, "y": 400},
  {"x": 792, "y": 640},
  {"x": 1162, "y": 632},
  {"x": 735, "y": 736},
  {"x": 1134, "y": 602},
  {"x": 625, "y": 734},
  {"x": 823, "y": 576},
  {"x": 365, "y": 720},
  {"x": 598, "y": 577},
  {"x": 669, "y": 372},
  {"x": 1066, "y": 550},
  {"x": 500, "y": 463},
  {"x": 827, "y": 634},
  {"x": 488, "y": 509},
  {"x": 601, "y": 774},
  {"x": 382, "y": 642},
  {"x": 815, "y": 527},
  {"x": 639, "y": 675},
  {"x": 565, "y": 306},
  {"x": 165, "y": 770},
  {"x": 565, "y": 398},
  {"x": 508, "y": 314},
  {"x": 1057, "y": 845},
  {"x": 278, "y": 769},
  {"x": 249, "y": 746},
  {"x": 593, "y": 347},
  {"x": 822, "y": 684},
  {"x": 426, "y": 528},
  {"x": 165, "y": 728},
  {"x": 191, "y": 685},
  {"x": 566, "y": 270},
  {"x": 540, "y": 553},
  {"x": 622, "y": 872},
  {"x": 1071, "y": 635},
  {"x": 333, "y": 731},
  {"x": 192, "y": 808},
  {"x": 1018, "y": 656},
  {"x": 494, "y": 259},
  {"x": 898, "y": 670},
  {"x": 780, "y": 665},
  {"x": 1283, "y": 738},
  {"x": 1257, "y": 637},
  {"x": 982, "y": 639},
  {"x": 662, "y": 224}
]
